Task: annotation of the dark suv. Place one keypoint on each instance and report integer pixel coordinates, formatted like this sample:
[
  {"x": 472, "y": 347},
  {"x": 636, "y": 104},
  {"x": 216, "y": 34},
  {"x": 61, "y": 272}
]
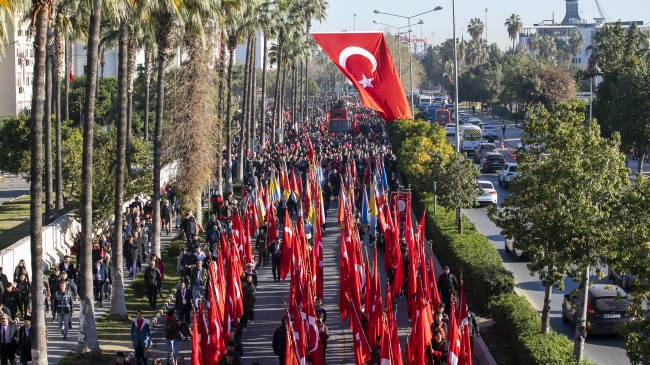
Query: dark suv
[
  {"x": 492, "y": 161},
  {"x": 607, "y": 306}
]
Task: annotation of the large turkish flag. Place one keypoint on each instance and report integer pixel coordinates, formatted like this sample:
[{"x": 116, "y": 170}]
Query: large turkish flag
[{"x": 365, "y": 60}]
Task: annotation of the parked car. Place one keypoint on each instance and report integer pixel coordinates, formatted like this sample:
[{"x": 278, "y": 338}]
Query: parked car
[
  {"x": 450, "y": 129},
  {"x": 516, "y": 253},
  {"x": 623, "y": 279},
  {"x": 485, "y": 147},
  {"x": 507, "y": 173},
  {"x": 489, "y": 130},
  {"x": 486, "y": 193},
  {"x": 607, "y": 306},
  {"x": 492, "y": 161}
]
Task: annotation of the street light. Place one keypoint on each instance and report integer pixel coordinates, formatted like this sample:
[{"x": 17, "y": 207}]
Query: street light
[
  {"x": 408, "y": 19},
  {"x": 399, "y": 54},
  {"x": 354, "y": 25},
  {"x": 453, "y": 16}
]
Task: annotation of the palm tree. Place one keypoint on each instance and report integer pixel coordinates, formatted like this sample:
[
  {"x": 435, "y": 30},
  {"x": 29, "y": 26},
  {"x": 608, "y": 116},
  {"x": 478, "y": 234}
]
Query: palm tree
[
  {"x": 268, "y": 25},
  {"x": 576, "y": 41},
  {"x": 533, "y": 43},
  {"x": 513, "y": 25},
  {"x": 87, "y": 327},
  {"x": 475, "y": 28},
  {"x": 41, "y": 15},
  {"x": 121, "y": 20},
  {"x": 547, "y": 49},
  {"x": 47, "y": 121},
  {"x": 314, "y": 10}
]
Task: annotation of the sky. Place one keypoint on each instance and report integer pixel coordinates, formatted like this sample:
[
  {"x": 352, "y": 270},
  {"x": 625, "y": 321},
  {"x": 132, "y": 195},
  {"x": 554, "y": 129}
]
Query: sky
[{"x": 340, "y": 15}]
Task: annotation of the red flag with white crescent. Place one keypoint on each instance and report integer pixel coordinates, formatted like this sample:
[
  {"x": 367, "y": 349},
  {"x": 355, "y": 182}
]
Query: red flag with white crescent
[{"x": 365, "y": 60}]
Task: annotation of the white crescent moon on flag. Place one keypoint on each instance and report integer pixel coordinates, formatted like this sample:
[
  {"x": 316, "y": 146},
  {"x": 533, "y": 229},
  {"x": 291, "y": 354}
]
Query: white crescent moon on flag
[{"x": 354, "y": 50}]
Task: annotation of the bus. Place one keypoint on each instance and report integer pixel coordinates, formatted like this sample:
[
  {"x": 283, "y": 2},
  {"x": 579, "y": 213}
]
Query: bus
[
  {"x": 424, "y": 102},
  {"x": 442, "y": 117},
  {"x": 470, "y": 138}
]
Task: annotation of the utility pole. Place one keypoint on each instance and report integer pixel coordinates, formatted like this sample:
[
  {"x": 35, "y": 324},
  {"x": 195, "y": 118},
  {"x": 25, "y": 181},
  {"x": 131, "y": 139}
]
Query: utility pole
[{"x": 486, "y": 38}]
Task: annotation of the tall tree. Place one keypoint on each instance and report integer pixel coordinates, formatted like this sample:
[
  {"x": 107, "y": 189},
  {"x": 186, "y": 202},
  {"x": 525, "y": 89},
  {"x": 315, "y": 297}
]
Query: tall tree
[
  {"x": 576, "y": 41},
  {"x": 533, "y": 43},
  {"x": 87, "y": 327},
  {"x": 513, "y": 25},
  {"x": 118, "y": 304},
  {"x": 41, "y": 12},
  {"x": 569, "y": 225},
  {"x": 475, "y": 29},
  {"x": 47, "y": 122}
]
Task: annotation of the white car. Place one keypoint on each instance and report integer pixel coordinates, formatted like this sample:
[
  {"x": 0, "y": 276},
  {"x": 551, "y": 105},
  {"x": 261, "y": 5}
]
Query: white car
[
  {"x": 486, "y": 193},
  {"x": 489, "y": 130},
  {"x": 450, "y": 129},
  {"x": 473, "y": 120},
  {"x": 507, "y": 173}
]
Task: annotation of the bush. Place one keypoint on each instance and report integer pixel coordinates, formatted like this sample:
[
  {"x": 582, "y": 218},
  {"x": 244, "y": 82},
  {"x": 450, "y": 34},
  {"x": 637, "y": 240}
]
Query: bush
[
  {"x": 174, "y": 249},
  {"x": 138, "y": 287},
  {"x": 518, "y": 325},
  {"x": 483, "y": 271}
]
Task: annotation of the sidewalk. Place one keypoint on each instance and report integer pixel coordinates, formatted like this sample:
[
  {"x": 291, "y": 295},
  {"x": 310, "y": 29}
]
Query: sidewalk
[
  {"x": 12, "y": 187},
  {"x": 57, "y": 348}
]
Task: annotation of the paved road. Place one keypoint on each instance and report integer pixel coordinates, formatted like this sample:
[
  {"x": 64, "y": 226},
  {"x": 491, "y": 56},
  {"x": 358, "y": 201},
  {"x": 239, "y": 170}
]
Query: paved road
[
  {"x": 11, "y": 187},
  {"x": 604, "y": 349}
]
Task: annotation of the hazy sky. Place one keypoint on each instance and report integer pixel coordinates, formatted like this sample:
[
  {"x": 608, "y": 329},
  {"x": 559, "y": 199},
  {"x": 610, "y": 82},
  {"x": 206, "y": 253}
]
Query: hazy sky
[{"x": 340, "y": 15}]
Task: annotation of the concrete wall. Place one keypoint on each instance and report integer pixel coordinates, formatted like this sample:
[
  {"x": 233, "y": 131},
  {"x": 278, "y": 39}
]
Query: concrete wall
[{"x": 58, "y": 238}]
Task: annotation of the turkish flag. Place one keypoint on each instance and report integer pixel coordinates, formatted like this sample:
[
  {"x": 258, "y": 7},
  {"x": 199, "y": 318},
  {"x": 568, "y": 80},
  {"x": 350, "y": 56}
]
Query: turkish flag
[
  {"x": 287, "y": 243},
  {"x": 361, "y": 346},
  {"x": 310, "y": 149},
  {"x": 365, "y": 60},
  {"x": 196, "y": 358},
  {"x": 454, "y": 338}
]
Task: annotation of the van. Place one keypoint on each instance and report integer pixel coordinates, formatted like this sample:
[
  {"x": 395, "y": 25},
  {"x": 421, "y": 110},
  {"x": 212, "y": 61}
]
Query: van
[
  {"x": 425, "y": 101},
  {"x": 470, "y": 138}
]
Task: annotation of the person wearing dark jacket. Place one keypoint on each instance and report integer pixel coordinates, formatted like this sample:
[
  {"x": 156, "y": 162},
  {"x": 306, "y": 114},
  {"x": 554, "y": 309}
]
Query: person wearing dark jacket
[
  {"x": 280, "y": 341},
  {"x": 183, "y": 302},
  {"x": 100, "y": 276},
  {"x": 7, "y": 340},
  {"x": 152, "y": 282},
  {"x": 437, "y": 352},
  {"x": 446, "y": 283},
  {"x": 3, "y": 280},
  {"x": 188, "y": 262},
  {"x": 249, "y": 302},
  {"x": 68, "y": 267},
  {"x": 21, "y": 270},
  {"x": 172, "y": 335},
  {"x": 23, "y": 339},
  {"x": 23, "y": 288},
  {"x": 11, "y": 299}
]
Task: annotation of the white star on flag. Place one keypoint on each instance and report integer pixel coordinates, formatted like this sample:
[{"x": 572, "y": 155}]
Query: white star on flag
[{"x": 366, "y": 82}]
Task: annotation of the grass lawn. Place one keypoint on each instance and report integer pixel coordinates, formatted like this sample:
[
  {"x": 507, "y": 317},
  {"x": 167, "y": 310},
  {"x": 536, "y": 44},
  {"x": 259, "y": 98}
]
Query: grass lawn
[
  {"x": 104, "y": 358},
  {"x": 115, "y": 332},
  {"x": 14, "y": 221}
]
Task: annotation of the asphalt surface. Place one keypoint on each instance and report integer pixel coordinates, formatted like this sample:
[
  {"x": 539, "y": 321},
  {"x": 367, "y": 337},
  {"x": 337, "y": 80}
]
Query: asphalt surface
[
  {"x": 12, "y": 187},
  {"x": 603, "y": 349}
]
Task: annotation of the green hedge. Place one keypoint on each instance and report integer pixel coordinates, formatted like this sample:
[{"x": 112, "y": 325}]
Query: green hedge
[
  {"x": 518, "y": 324},
  {"x": 138, "y": 287},
  {"x": 483, "y": 272}
]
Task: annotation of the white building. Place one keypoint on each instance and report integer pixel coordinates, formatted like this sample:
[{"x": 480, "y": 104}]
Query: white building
[
  {"x": 570, "y": 24},
  {"x": 240, "y": 52},
  {"x": 17, "y": 71}
]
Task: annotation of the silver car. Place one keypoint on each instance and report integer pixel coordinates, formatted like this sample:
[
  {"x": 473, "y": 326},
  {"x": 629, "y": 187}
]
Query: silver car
[{"x": 507, "y": 173}]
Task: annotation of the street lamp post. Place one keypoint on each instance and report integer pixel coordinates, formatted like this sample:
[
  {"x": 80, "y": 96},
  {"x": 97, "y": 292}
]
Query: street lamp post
[
  {"x": 399, "y": 53},
  {"x": 453, "y": 15},
  {"x": 354, "y": 25},
  {"x": 408, "y": 19}
]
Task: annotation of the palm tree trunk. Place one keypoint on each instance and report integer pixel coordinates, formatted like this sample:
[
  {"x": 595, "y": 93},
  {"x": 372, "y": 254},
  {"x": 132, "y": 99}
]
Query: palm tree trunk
[
  {"x": 277, "y": 115},
  {"x": 60, "y": 46},
  {"x": 243, "y": 122},
  {"x": 39, "y": 329},
  {"x": 147, "y": 87},
  {"x": 165, "y": 23},
  {"x": 130, "y": 71},
  {"x": 68, "y": 62},
  {"x": 87, "y": 327},
  {"x": 221, "y": 93},
  {"x": 253, "y": 100},
  {"x": 263, "y": 102},
  {"x": 47, "y": 129},
  {"x": 294, "y": 95},
  {"x": 118, "y": 305},
  {"x": 281, "y": 103},
  {"x": 228, "y": 134}
]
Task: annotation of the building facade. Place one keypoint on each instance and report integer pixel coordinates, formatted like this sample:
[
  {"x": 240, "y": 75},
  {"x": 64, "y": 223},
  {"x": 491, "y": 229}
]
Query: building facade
[
  {"x": 17, "y": 71},
  {"x": 572, "y": 23}
]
